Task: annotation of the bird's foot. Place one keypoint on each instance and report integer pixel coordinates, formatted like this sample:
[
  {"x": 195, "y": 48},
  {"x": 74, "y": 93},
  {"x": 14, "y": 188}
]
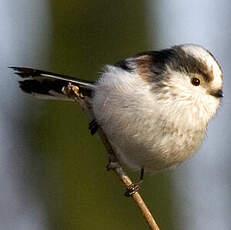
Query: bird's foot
[
  {"x": 72, "y": 91},
  {"x": 132, "y": 189},
  {"x": 93, "y": 127}
]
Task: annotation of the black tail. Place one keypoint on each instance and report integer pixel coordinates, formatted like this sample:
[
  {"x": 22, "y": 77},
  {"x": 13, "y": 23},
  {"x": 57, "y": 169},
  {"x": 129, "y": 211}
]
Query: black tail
[{"x": 49, "y": 85}]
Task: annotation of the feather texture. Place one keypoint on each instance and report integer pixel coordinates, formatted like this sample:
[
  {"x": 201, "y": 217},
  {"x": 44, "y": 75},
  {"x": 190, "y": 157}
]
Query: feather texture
[{"x": 48, "y": 85}]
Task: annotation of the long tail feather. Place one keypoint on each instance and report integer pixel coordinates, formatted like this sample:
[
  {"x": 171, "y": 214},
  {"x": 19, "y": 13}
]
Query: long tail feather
[{"x": 48, "y": 85}]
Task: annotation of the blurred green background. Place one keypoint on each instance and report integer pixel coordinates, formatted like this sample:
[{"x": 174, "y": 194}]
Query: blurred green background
[
  {"x": 52, "y": 170},
  {"x": 79, "y": 192}
]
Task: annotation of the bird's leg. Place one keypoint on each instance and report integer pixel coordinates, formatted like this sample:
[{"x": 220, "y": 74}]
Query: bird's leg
[
  {"x": 93, "y": 126},
  {"x": 141, "y": 175},
  {"x": 113, "y": 164},
  {"x": 134, "y": 187}
]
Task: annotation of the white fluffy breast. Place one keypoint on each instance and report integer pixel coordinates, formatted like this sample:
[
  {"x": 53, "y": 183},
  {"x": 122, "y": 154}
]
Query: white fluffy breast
[{"x": 145, "y": 130}]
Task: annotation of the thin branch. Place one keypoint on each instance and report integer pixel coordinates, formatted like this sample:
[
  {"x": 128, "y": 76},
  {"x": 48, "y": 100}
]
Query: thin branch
[{"x": 73, "y": 91}]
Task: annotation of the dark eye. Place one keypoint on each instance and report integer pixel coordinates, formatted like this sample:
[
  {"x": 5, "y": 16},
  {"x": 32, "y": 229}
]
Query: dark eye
[{"x": 195, "y": 81}]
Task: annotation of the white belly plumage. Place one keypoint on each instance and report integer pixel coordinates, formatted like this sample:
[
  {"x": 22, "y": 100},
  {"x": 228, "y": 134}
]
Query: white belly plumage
[{"x": 140, "y": 129}]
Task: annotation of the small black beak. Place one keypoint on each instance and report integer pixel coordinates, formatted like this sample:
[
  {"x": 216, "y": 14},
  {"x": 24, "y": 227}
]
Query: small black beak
[{"x": 217, "y": 93}]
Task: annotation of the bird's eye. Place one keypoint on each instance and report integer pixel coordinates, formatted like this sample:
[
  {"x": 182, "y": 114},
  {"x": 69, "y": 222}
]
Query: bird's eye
[{"x": 195, "y": 81}]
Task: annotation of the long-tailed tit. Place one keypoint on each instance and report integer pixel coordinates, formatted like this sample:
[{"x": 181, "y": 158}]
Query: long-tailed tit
[{"x": 154, "y": 107}]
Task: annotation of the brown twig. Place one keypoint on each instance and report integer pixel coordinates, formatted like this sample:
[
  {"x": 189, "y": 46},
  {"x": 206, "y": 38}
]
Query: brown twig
[{"x": 73, "y": 92}]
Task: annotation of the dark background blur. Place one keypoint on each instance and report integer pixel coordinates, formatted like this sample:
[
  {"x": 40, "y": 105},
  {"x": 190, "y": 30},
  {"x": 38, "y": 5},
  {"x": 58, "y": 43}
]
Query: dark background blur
[{"x": 52, "y": 170}]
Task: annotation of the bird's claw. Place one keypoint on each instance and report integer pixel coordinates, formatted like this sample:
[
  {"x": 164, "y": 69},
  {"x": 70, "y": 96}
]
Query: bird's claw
[
  {"x": 72, "y": 91},
  {"x": 132, "y": 189}
]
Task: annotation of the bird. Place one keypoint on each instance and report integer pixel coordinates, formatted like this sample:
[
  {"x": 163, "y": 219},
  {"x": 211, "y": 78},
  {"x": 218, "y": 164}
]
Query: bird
[{"x": 154, "y": 107}]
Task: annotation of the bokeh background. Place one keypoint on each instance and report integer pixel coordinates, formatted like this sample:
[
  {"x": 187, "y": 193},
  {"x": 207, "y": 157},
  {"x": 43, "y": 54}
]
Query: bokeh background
[{"x": 52, "y": 172}]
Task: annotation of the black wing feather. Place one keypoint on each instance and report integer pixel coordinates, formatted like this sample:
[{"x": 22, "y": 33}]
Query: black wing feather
[{"x": 44, "y": 83}]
